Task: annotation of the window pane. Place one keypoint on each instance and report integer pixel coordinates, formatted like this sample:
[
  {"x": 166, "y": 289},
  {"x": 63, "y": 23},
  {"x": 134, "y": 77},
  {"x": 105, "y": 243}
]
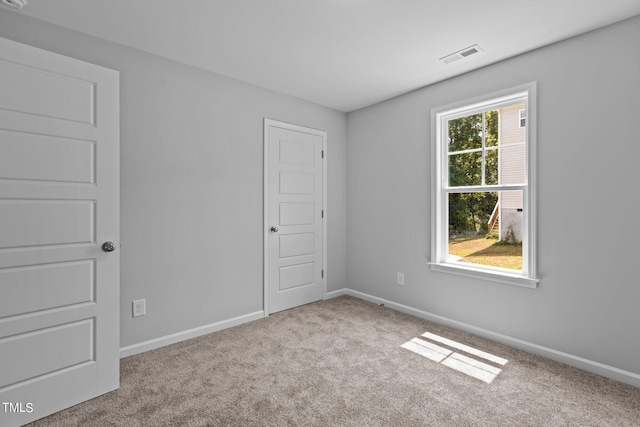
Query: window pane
[
  {"x": 465, "y": 133},
  {"x": 510, "y": 216},
  {"x": 469, "y": 213},
  {"x": 512, "y": 164},
  {"x": 486, "y": 228},
  {"x": 465, "y": 169},
  {"x": 491, "y": 128},
  {"x": 491, "y": 165}
]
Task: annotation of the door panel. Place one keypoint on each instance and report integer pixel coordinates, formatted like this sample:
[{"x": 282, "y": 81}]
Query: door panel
[
  {"x": 297, "y": 275},
  {"x": 73, "y": 343},
  {"x": 296, "y": 183},
  {"x": 27, "y": 223},
  {"x": 296, "y": 245},
  {"x": 59, "y": 200},
  {"x": 294, "y": 204},
  {"x": 25, "y": 156},
  {"x": 296, "y": 152},
  {"x": 67, "y": 283},
  {"x": 297, "y": 213},
  {"x": 68, "y": 98}
]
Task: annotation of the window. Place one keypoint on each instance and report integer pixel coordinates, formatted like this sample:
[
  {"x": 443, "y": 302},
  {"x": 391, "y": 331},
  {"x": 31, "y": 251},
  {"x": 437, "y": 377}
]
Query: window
[{"x": 483, "y": 187}]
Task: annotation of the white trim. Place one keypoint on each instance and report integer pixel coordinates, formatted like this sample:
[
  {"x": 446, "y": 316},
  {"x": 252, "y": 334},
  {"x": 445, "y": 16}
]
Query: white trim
[
  {"x": 485, "y": 188},
  {"x": 155, "y": 343},
  {"x": 494, "y": 100},
  {"x": 549, "y": 353},
  {"x": 265, "y": 220},
  {"x": 265, "y": 212},
  {"x": 440, "y": 187},
  {"x": 494, "y": 274},
  {"x": 335, "y": 294},
  {"x": 325, "y": 199},
  {"x": 530, "y": 201}
]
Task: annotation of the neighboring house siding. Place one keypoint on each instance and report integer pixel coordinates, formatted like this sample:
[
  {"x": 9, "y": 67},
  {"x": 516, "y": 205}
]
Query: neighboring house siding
[{"x": 512, "y": 168}]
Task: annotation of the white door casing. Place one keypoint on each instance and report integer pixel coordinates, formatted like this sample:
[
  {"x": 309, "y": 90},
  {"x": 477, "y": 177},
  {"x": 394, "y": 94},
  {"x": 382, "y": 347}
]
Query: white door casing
[
  {"x": 294, "y": 215},
  {"x": 59, "y": 202}
]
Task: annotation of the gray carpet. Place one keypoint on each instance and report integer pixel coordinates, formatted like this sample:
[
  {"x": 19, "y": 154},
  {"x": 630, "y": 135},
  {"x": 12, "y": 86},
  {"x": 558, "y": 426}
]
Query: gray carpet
[{"x": 340, "y": 363}]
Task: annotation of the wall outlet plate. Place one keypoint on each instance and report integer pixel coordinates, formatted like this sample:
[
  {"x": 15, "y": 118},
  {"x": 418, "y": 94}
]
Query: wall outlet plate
[
  {"x": 139, "y": 307},
  {"x": 400, "y": 278}
]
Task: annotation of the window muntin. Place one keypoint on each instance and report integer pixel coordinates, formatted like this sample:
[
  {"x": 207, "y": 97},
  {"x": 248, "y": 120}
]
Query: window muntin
[
  {"x": 473, "y": 149},
  {"x": 483, "y": 160}
]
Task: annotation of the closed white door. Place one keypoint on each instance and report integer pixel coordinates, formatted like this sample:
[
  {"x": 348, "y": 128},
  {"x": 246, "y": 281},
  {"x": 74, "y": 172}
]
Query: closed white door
[
  {"x": 294, "y": 215},
  {"x": 59, "y": 202}
]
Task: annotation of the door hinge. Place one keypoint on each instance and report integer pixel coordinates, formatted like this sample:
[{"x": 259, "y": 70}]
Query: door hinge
[
  {"x": 323, "y": 154},
  {"x": 322, "y": 214},
  {"x": 322, "y": 274}
]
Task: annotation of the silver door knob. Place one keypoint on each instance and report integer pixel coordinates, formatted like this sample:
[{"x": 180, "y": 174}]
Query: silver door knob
[
  {"x": 108, "y": 246},
  {"x": 274, "y": 229}
]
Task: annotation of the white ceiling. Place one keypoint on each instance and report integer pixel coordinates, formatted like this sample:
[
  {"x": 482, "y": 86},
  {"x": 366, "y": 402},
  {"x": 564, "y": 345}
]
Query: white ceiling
[{"x": 344, "y": 54}]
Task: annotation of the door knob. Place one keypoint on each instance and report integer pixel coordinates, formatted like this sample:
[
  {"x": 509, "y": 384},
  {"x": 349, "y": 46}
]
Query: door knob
[
  {"x": 274, "y": 229},
  {"x": 108, "y": 246}
]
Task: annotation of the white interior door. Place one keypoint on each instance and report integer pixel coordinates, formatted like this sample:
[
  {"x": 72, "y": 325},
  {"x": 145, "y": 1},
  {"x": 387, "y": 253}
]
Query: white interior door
[
  {"x": 59, "y": 201},
  {"x": 294, "y": 215}
]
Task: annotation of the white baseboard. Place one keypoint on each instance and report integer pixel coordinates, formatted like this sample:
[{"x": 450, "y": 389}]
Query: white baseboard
[
  {"x": 549, "y": 353},
  {"x": 191, "y": 333},
  {"x": 334, "y": 294}
]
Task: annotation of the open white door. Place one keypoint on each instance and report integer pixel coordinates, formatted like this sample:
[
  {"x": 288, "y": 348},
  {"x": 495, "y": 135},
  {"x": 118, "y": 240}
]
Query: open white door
[
  {"x": 59, "y": 202},
  {"x": 295, "y": 232}
]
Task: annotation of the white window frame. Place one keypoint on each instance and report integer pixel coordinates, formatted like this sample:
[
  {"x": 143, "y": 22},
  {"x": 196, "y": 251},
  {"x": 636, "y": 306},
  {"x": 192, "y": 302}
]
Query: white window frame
[{"x": 440, "y": 190}]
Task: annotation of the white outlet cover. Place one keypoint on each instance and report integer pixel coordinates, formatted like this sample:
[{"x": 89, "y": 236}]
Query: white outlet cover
[{"x": 139, "y": 307}]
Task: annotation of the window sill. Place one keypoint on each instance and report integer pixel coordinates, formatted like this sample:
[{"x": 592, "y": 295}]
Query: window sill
[{"x": 495, "y": 275}]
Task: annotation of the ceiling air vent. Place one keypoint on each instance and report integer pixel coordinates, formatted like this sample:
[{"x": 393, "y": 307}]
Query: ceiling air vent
[
  {"x": 14, "y": 4},
  {"x": 467, "y": 51}
]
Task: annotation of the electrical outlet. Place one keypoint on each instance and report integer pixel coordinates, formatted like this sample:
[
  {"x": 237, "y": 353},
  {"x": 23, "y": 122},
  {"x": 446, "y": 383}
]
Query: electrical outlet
[
  {"x": 139, "y": 307},
  {"x": 400, "y": 278}
]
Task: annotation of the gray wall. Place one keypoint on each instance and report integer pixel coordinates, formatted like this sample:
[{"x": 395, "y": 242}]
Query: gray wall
[
  {"x": 588, "y": 156},
  {"x": 192, "y": 182},
  {"x": 191, "y": 194}
]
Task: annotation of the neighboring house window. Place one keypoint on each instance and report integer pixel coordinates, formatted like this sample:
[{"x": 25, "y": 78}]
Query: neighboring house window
[
  {"x": 523, "y": 118},
  {"x": 483, "y": 187}
]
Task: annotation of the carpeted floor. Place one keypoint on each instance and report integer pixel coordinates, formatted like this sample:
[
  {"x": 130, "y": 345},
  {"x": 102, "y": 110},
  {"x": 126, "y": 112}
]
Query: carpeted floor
[{"x": 340, "y": 363}]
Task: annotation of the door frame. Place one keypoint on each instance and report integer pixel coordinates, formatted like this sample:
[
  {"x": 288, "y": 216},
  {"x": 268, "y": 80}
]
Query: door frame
[{"x": 265, "y": 215}]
